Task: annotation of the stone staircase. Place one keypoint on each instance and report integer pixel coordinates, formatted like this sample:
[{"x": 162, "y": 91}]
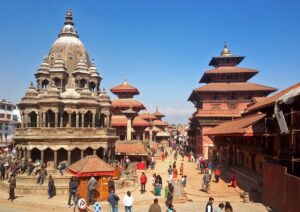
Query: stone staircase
[{"x": 28, "y": 185}]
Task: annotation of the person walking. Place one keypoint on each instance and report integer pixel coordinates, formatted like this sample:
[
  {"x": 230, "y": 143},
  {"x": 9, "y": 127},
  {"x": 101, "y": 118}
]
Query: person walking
[
  {"x": 220, "y": 208},
  {"x": 181, "y": 169},
  {"x": 233, "y": 180},
  {"x": 2, "y": 170},
  {"x": 72, "y": 191},
  {"x": 143, "y": 180},
  {"x": 111, "y": 184},
  {"x": 170, "y": 172},
  {"x": 175, "y": 173},
  {"x": 113, "y": 200},
  {"x": 228, "y": 207},
  {"x": 51, "y": 187},
  {"x": 217, "y": 174},
  {"x": 92, "y": 186},
  {"x": 12, "y": 185},
  {"x": 183, "y": 181},
  {"x": 128, "y": 201},
  {"x": 209, "y": 205},
  {"x": 155, "y": 207}
]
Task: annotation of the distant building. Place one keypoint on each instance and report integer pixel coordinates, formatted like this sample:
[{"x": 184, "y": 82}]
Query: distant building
[
  {"x": 9, "y": 121},
  {"x": 224, "y": 97}
]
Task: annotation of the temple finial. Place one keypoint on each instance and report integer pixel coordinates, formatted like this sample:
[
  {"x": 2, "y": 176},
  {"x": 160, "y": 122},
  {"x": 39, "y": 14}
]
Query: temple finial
[
  {"x": 125, "y": 82},
  {"x": 69, "y": 17},
  {"x": 226, "y": 51}
]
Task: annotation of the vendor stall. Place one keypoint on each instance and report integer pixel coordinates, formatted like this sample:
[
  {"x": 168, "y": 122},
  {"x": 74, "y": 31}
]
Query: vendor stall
[{"x": 89, "y": 166}]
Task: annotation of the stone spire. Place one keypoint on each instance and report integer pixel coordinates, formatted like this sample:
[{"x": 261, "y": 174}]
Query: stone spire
[
  {"x": 68, "y": 29},
  {"x": 69, "y": 17}
]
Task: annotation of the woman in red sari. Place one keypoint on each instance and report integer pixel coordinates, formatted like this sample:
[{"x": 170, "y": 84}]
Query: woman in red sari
[{"x": 163, "y": 156}]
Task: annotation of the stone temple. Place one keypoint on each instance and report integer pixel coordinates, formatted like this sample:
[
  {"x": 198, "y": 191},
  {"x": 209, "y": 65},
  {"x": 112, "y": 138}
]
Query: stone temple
[{"x": 66, "y": 116}]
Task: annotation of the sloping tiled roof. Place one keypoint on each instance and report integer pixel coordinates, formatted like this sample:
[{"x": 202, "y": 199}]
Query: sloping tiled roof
[
  {"x": 131, "y": 149},
  {"x": 234, "y": 86},
  {"x": 91, "y": 165},
  {"x": 236, "y": 127},
  {"x": 147, "y": 116},
  {"x": 230, "y": 69},
  {"x": 121, "y": 121},
  {"x": 272, "y": 99},
  {"x": 124, "y": 88},
  {"x": 218, "y": 113},
  {"x": 159, "y": 123},
  {"x": 124, "y": 103}
]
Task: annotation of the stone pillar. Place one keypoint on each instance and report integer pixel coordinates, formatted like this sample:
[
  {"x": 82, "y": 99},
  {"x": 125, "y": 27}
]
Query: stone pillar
[
  {"x": 56, "y": 120},
  {"x": 42, "y": 156},
  {"x": 38, "y": 119},
  {"x": 44, "y": 119},
  {"x": 81, "y": 153},
  {"x": 70, "y": 119},
  {"x": 77, "y": 120},
  {"x": 109, "y": 122},
  {"x": 94, "y": 151},
  {"x": 25, "y": 121},
  {"x": 82, "y": 120},
  {"x": 22, "y": 121},
  {"x": 69, "y": 157},
  {"x": 129, "y": 128},
  {"x": 61, "y": 120},
  {"x": 94, "y": 120},
  {"x": 55, "y": 159}
]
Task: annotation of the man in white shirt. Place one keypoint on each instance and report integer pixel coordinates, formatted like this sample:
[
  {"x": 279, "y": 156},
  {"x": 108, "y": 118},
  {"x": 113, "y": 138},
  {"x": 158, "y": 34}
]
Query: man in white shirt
[{"x": 128, "y": 201}]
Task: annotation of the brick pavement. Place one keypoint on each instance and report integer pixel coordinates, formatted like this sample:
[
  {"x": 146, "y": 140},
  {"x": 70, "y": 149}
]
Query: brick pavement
[{"x": 197, "y": 199}]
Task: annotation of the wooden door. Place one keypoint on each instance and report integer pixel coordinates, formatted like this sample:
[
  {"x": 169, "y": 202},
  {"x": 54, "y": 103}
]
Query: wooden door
[
  {"x": 82, "y": 187},
  {"x": 103, "y": 188}
]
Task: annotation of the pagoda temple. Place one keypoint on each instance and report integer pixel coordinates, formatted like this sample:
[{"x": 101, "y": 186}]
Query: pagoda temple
[
  {"x": 224, "y": 97},
  {"x": 66, "y": 116},
  {"x": 129, "y": 126}
]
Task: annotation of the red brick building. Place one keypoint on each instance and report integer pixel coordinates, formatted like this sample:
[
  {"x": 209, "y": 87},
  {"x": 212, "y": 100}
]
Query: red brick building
[{"x": 224, "y": 97}]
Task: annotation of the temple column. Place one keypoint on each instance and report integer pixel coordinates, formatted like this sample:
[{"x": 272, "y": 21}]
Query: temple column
[
  {"x": 129, "y": 128},
  {"x": 69, "y": 157},
  {"x": 44, "y": 119},
  {"x": 70, "y": 119},
  {"x": 56, "y": 120},
  {"x": 94, "y": 151},
  {"x": 42, "y": 156},
  {"x": 61, "y": 120},
  {"x": 77, "y": 120},
  {"x": 144, "y": 136},
  {"x": 38, "y": 120},
  {"x": 81, "y": 153},
  {"x": 25, "y": 121},
  {"x": 22, "y": 121},
  {"x": 55, "y": 159},
  {"x": 93, "y": 120},
  {"x": 82, "y": 120}
]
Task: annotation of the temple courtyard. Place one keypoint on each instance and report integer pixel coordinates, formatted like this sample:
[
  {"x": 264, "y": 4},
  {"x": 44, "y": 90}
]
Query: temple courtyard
[{"x": 194, "y": 198}]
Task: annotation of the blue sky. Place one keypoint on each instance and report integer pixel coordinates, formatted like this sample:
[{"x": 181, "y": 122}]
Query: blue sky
[{"x": 162, "y": 47}]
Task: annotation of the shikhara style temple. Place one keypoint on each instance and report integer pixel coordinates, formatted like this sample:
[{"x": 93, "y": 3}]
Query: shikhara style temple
[
  {"x": 66, "y": 116},
  {"x": 224, "y": 97}
]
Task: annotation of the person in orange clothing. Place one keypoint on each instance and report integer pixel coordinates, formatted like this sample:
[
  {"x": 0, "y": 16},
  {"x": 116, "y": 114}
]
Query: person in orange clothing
[
  {"x": 217, "y": 174},
  {"x": 181, "y": 169}
]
